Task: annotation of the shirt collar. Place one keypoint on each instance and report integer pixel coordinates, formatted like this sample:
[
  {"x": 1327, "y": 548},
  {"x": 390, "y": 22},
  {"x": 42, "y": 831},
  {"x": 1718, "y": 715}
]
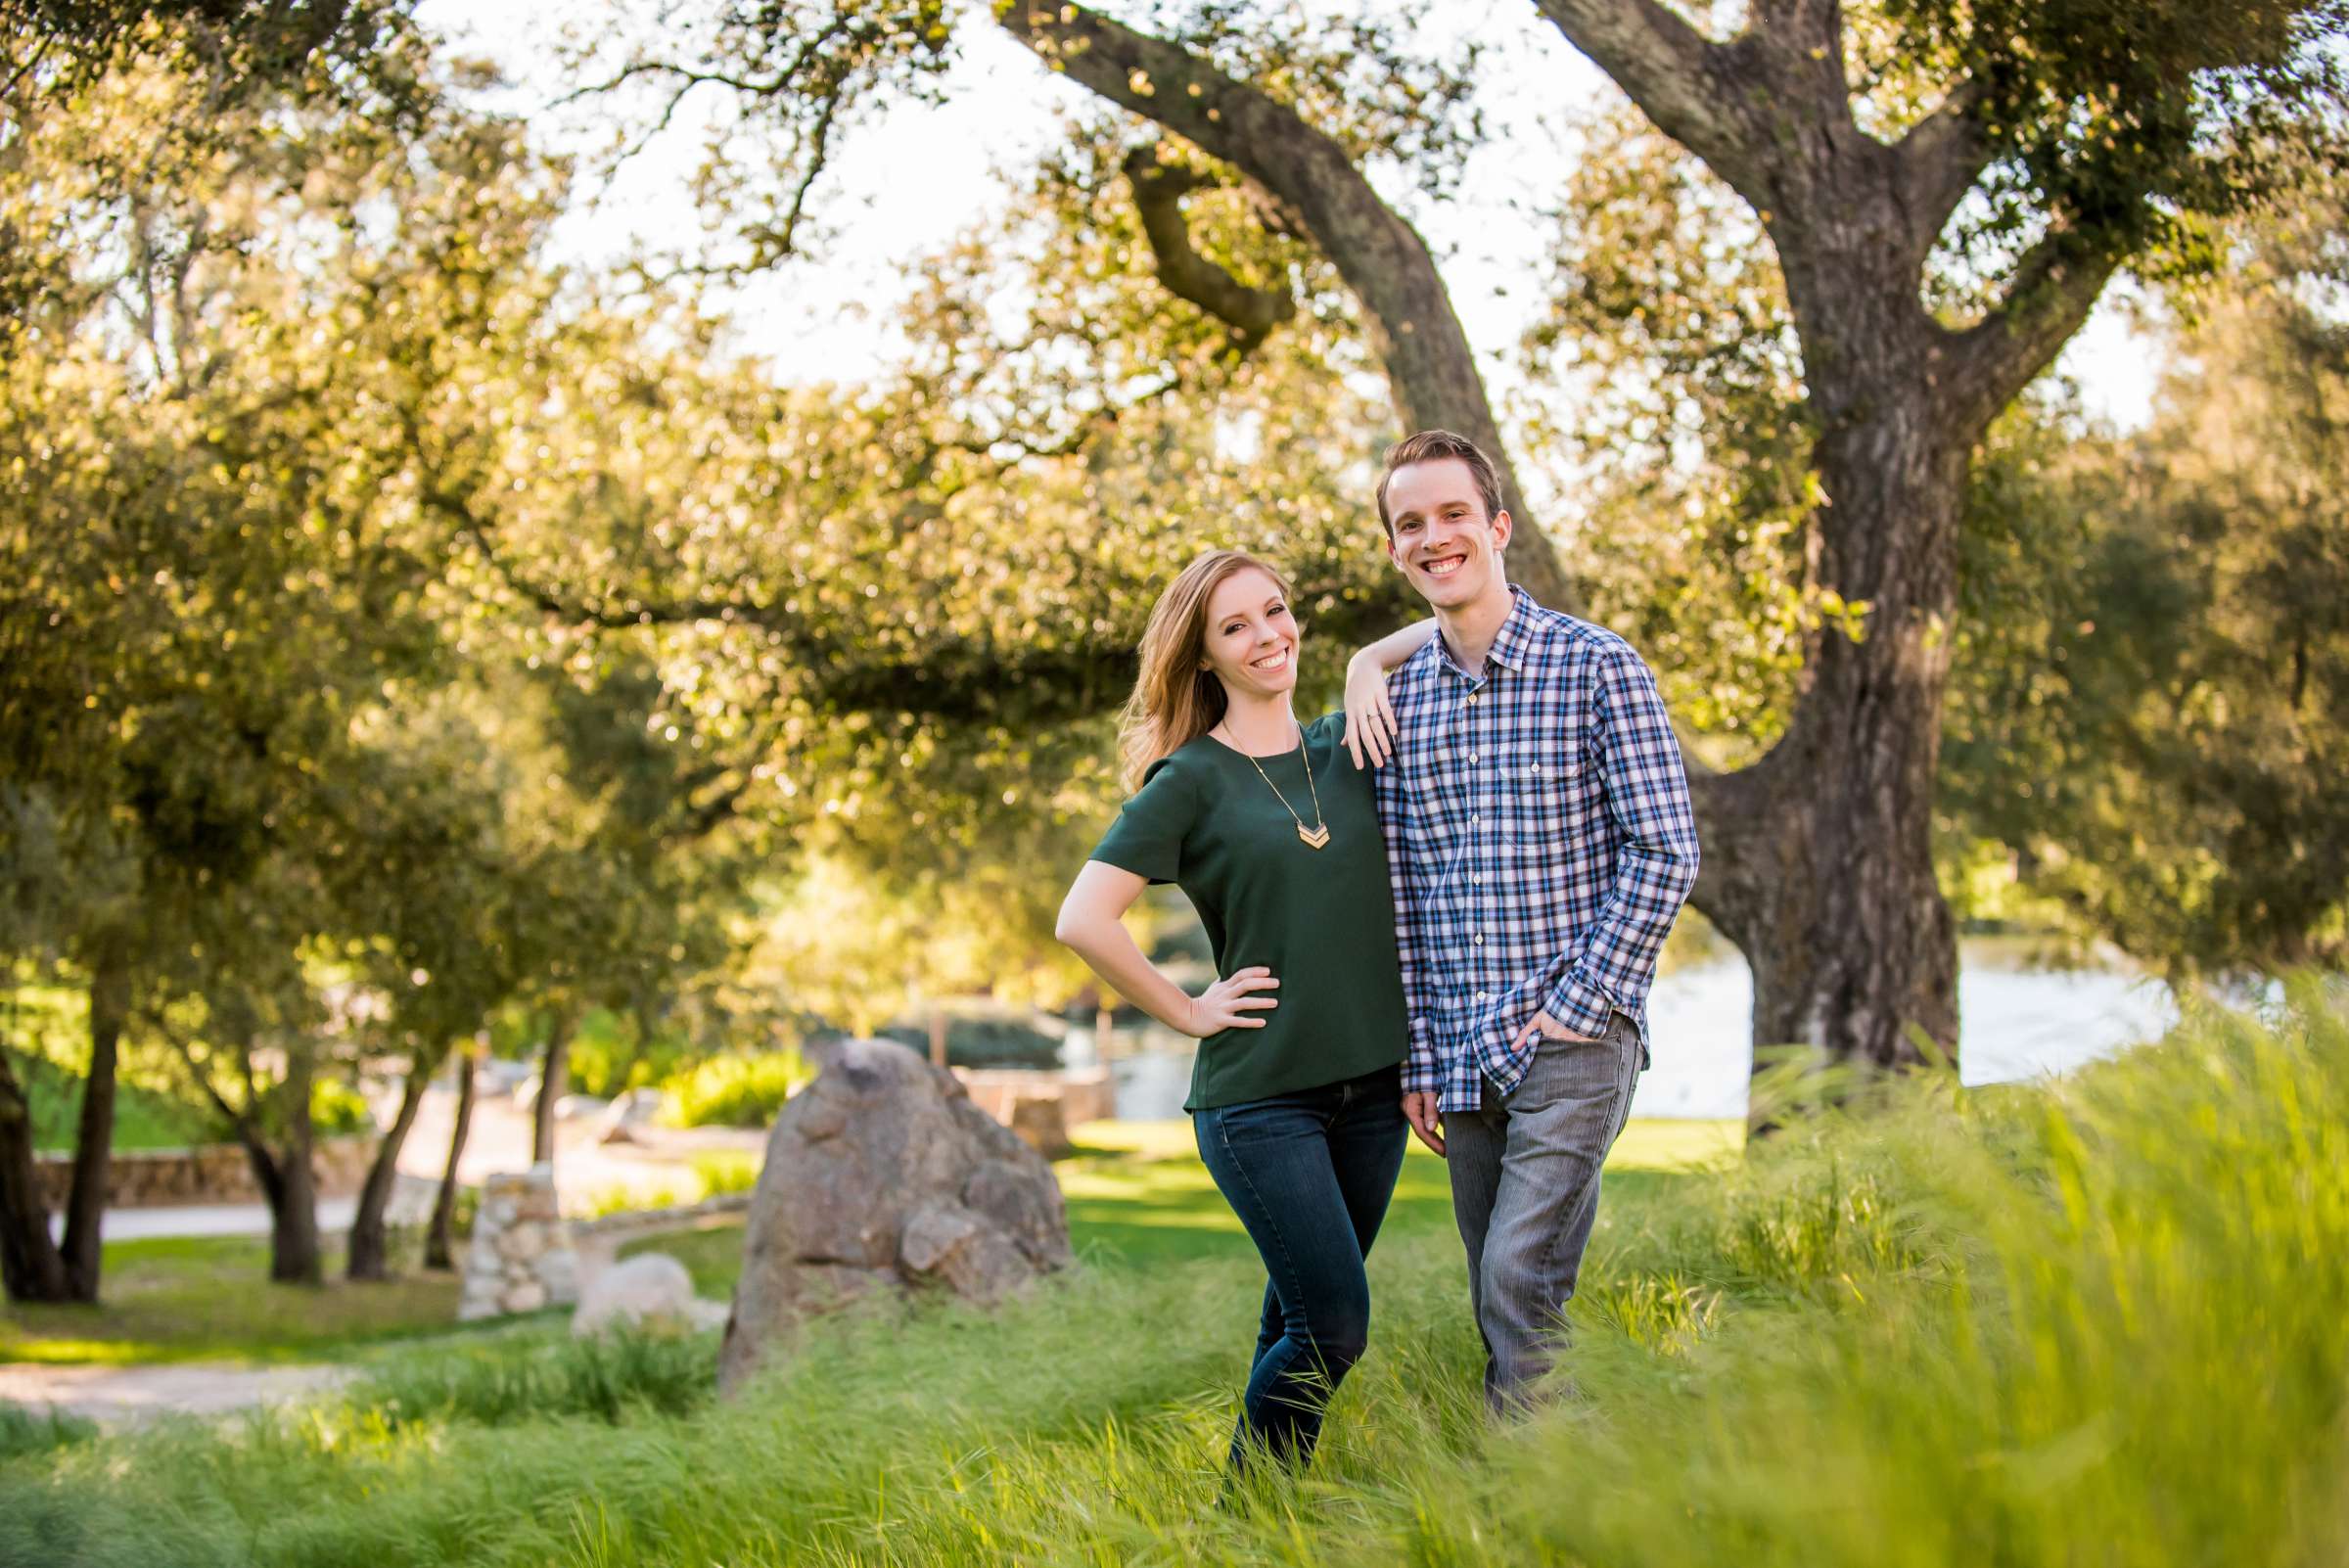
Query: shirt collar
[{"x": 1513, "y": 644}]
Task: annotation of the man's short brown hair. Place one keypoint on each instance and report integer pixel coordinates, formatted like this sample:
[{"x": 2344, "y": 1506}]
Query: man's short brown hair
[{"x": 1433, "y": 447}]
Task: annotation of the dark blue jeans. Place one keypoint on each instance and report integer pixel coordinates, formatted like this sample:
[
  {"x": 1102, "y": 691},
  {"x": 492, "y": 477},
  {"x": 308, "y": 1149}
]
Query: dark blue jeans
[{"x": 1310, "y": 1174}]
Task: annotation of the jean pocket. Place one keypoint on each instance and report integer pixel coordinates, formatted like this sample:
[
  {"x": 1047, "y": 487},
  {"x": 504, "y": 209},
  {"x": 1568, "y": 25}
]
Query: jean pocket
[{"x": 1572, "y": 1069}]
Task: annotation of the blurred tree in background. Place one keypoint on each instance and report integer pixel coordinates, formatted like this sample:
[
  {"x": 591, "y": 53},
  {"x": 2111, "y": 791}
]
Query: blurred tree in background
[{"x": 2152, "y": 697}]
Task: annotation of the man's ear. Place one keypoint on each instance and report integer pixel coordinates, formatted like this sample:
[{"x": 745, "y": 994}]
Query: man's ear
[{"x": 1503, "y": 528}]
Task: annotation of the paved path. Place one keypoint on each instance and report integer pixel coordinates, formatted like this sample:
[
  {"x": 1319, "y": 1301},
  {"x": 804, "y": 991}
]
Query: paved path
[
  {"x": 498, "y": 1140},
  {"x": 121, "y": 1395}
]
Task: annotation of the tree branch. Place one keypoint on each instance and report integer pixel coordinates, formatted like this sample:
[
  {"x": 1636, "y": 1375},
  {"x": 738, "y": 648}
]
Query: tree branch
[
  {"x": 1940, "y": 160},
  {"x": 1158, "y": 190},
  {"x": 1717, "y": 99},
  {"x": 1431, "y": 369},
  {"x": 2055, "y": 287}
]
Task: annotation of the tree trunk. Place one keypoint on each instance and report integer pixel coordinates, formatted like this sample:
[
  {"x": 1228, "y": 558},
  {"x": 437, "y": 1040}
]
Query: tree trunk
[
  {"x": 369, "y": 1252},
  {"x": 551, "y": 1075},
  {"x": 94, "y": 1139},
  {"x": 31, "y": 1268},
  {"x": 291, "y": 1190},
  {"x": 1834, "y": 901},
  {"x": 440, "y": 1250},
  {"x": 287, "y": 1182}
]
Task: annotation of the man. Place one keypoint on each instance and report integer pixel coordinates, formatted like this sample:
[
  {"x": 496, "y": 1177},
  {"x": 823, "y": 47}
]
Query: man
[{"x": 1540, "y": 842}]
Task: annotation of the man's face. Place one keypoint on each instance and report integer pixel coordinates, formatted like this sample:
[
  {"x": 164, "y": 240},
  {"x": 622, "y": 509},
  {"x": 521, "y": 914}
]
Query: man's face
[{"x": 1447, "y": 548}]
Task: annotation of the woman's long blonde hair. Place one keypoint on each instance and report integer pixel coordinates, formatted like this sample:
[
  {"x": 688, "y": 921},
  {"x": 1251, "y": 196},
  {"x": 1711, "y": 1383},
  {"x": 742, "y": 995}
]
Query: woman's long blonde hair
[{"x": 1176, "y": 698}]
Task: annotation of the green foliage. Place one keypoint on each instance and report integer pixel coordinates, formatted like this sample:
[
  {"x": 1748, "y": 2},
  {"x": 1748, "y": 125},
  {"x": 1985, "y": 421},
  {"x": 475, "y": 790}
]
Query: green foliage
[
  {"x": 2132, "y": 120},
  {"x": 2098, "y": 1319},
  {"x": 2153, "y": 689},
  {"x": 725, "y": 1171},
  {"x": 983, "y": 1042},
  {"x": 1676, "y": 388},
  {"x": 530, "y": 1377},
  {"x": 735, "y": 1091},
  {"x": 338, "y": 1110},
  {"x": 143, "y": 1118},
  {"x": 28, "y": 1433}
]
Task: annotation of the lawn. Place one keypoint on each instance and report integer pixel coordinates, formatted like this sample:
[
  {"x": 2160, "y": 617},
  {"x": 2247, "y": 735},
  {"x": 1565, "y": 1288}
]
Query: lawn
[
  {"x": 1137, "y": 1195},
  {"x": 2091, "y": 1321},
  {"x": 200, "y": 1298}
]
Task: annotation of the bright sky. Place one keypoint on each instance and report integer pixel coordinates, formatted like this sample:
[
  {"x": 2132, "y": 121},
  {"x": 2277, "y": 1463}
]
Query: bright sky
[{"x": 909, "y": 183}]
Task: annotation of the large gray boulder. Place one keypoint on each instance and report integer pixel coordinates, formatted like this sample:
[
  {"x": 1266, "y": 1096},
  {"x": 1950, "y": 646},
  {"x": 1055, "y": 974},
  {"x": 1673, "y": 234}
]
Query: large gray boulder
[{"x": 883, "y": 1178}]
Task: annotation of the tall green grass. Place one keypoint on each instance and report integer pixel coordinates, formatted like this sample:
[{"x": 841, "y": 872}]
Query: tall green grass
[
  {"x": 24, "y": 1430},
  {"x": 2098, "y": 1322},
  {"x": 538, "y": 1375}
]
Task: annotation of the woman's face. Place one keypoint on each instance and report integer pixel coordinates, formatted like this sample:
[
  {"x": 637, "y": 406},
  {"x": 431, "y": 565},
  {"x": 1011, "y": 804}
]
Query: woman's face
[{"x": 1251, "y": 641}]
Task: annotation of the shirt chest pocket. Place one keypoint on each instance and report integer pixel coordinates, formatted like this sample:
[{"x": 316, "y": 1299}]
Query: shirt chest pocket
[{"x": 1544, "y": 801}]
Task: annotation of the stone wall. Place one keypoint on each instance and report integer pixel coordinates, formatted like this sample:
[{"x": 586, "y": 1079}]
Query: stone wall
[
  {"x": 520, "y": 1256},
  {"x": 1040, "y": 1106},
  {"x": 213, "y": 1172}
]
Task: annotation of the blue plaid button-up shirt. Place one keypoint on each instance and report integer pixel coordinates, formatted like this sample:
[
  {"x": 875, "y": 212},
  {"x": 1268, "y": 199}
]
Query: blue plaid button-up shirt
[{"x": 1540, "y": 841}]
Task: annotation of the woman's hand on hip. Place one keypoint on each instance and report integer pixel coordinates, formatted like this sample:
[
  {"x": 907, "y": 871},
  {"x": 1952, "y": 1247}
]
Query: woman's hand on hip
[{"x": 1232, "y": 1003}]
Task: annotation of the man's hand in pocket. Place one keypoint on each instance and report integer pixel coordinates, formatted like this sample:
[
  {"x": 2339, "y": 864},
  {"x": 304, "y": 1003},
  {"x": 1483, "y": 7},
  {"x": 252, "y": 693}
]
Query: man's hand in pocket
[{"x": 1542, "y": 1027}]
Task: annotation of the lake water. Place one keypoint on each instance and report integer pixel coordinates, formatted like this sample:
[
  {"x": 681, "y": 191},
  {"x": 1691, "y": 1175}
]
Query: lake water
[{"x": 2015, "y": 1022}]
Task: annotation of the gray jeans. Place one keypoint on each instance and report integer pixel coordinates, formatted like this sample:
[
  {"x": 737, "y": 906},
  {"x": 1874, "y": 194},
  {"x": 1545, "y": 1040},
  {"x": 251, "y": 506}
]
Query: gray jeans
[{"x": 1525, "y": 1169}]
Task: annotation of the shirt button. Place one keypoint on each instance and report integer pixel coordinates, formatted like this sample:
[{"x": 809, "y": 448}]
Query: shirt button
[
  {"x": 1472, "y": 756},
  {"x": 1480, "y": 939}
]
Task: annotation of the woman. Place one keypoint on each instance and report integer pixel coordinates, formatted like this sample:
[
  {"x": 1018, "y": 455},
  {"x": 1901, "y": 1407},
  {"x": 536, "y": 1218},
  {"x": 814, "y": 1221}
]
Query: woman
[{"x": 1296, "y": 1094}]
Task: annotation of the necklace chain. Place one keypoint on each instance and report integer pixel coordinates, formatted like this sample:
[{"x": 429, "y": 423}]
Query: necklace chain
[{"x": 1318, "y": 834}]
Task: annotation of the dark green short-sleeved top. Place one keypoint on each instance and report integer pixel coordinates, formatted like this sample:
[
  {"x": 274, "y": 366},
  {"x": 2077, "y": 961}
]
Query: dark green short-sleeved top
[{"x": 1321, "y": 920}]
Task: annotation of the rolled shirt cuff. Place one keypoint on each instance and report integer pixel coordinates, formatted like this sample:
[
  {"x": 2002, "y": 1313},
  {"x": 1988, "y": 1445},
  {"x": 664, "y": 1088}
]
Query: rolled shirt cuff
[{"x": 1580, "y": 1007}]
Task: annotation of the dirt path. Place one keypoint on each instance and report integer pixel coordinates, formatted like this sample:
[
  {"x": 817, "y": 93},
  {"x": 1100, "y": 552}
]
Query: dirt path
[{"x": 117, "y": 1395}]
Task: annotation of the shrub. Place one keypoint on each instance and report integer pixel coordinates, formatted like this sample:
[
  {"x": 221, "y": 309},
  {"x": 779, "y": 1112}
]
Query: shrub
[
  {"x": 338, "y": 1108},
  {"x": 735, "y": 1091},
  {"x": 725, "y": 1170},
  {"x": 984, "y": 1043}
]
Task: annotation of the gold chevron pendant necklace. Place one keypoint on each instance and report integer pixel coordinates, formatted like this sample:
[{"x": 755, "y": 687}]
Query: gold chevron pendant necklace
[{"x": 1316, "y": 837}]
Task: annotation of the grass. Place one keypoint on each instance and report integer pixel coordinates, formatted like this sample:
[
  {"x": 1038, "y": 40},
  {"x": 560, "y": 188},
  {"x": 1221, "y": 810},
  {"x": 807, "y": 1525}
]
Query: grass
[
  {"x": 39, "y": 1432},
  {"x": 2092, "y": 1322},
  {"x": 202, "y": 1298},
  {"x": 536, "y": 1373},
  {"x": 707, "y": 1173},
  {"x": 1136, "y": 1193}
]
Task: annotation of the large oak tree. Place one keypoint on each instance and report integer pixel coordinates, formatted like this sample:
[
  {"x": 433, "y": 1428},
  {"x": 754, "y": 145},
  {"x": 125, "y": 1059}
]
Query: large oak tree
[{"x": 1947, "y": 187}]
